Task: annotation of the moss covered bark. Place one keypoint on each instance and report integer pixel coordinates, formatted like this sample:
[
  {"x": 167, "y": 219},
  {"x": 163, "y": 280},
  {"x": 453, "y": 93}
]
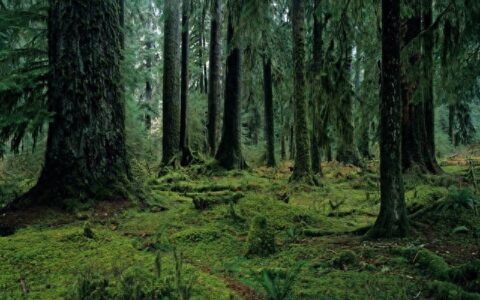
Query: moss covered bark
[
  {"x": 229, "y": 154},
  {"x": 302, "y": 170},
  {"x": 269, "y": 119},
  {"x": 86, "y": 154},
  {"x": 171, "y": 82},
  {"x": 392, "y": 220},
  {"x": 214, "y": 75}
]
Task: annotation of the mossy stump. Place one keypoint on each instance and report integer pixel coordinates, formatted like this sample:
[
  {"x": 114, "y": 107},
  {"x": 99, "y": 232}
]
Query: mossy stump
[{"x": 261, "y": 240}]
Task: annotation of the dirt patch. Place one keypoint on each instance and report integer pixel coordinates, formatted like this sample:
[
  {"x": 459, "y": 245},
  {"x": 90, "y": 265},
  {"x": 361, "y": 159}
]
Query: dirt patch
[{"x": 241, "y": 289}]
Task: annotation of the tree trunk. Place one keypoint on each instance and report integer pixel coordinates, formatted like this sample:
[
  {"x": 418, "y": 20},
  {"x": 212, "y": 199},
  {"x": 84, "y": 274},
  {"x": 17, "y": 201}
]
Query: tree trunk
[
  {"x": 302, "y": 170},
  {"x": 229, "y": 154},
  {"x": 316, "y": 85},
  {"x": 417, "y": 152},
  {"x": 121, "y": 18},
  {"x": 292, "y": 142},
  {"x": 148, "y": 87},
  {"x": 428, "y": 45},
  {"x": 215, "y": 79},
  {"x": 392, "y": 220},
  {"x": 201, "y": 42},
  {"x": 347, "y": 151},
  {"x": 269, "y": 119},
  {"x": 451, "y": 123},
  {"x": 86, "y": 154},
  {"x": 187, "y": 156},
  {"x": 171, "y": 83}
]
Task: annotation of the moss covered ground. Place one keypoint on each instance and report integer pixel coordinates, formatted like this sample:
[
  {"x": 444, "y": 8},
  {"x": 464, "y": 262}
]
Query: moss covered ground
[{"x": 312, "y": 229}]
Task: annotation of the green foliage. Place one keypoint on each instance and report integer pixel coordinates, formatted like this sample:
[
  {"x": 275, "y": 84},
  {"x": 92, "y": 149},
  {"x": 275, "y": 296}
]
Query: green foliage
[
  {"x": 278, "y": 284},
  {"x": 457, "y": 199},
  {"x": 90, "y": 286},
  {"x": 137, "y": 284}
]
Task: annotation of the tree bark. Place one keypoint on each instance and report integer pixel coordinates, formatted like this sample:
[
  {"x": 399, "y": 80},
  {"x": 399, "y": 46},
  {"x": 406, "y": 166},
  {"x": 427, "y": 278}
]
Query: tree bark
[
  {"x": 215, "y": 76},
  {"x": 428, "y": 45},
  {"x": 418, "y": 154},
  {"x": 347, "y": 151},
  {"x": 229, "y": 154},
  {"x": 392, "y": 220},
  {"x": 187, "y": 156},
  {"x": 268, "y": 110},
  {"x": 302, "y": 170},
  {"x": 171, "y": 83},
  {"x": 317, "y": 67},
  {"x": 86, "y": 155}
]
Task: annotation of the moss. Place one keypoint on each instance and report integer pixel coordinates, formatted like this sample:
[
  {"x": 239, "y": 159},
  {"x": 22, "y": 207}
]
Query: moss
[
  {"x": 345, "y": 259},
  {"x": 261, "y": 240},
  {"x": 197, "y": 235},
  {"x": 87, "y": 231},
  {"x": 448, "y": 291},
  {"x": 433, "y": 264}
]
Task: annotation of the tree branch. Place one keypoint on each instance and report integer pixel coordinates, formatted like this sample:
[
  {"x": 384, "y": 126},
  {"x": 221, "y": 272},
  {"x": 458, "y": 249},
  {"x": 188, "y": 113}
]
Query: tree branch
[{"x": 431, "y": 27}]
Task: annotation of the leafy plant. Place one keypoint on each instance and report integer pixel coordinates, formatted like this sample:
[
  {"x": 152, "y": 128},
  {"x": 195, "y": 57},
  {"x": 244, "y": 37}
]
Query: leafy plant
[
  {"x": 278, "y": 285},
  {"x": 457, "y": 199}
]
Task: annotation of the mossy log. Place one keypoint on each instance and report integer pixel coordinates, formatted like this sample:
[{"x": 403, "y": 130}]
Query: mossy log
[{"x": 204, "y": 201}]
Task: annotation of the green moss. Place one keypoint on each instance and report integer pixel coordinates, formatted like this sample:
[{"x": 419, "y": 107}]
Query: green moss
[
  {"x": 448, "y": 291},
  {"x": 197, "y": 235},
  {"x": 261, "y": 240},
  {"x": 345, "y": 259}
]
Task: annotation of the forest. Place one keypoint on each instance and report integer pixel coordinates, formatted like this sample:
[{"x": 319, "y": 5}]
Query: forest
[{"x": 239, "y": 149}]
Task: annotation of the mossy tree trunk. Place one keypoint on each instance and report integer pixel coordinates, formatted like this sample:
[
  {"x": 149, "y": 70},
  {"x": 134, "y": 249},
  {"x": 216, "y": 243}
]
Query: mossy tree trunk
[
  {"x": 418, "y": 153},
  {"x": 86, "y": 155},
  {"x": 229, "y": 154},
  {"x": 392, "y": 220},
  {"x": 268, "y": 110},
  {"x": 215, "y": 76},
  {"x": 186, "y": 153},
  {"x": 347, "y": 151},
  {"x": 302, "y": 170},
  {"x": 121, "y": 18},
  {"x": 317, "y": 67},
  {"x": 171, "y": 83},
  {"x": 428, "y": 96}
]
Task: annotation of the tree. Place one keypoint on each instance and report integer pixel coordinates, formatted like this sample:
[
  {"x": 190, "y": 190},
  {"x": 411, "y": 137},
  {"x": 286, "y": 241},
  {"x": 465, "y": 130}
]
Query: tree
[
  {"x": 86, "y": 155},
  {"x": 268, "y": 110},
  {"x": 229, "y": 154},
  {"x": 418, "y": 151},
  {"x": 302, "y": 170},
  {"x": 347, "y": 151},
  {"x": 171, "y": 82},
  {"x": 215, "y": 76},
  {"x": 392, "y": 220},
  {"x": 184, "y": 147},
  {"x": 317, "y": 66}
]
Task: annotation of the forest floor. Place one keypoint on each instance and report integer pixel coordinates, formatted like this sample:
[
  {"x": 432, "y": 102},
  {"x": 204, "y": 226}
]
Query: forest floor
[{"x": 312, "y": 226}]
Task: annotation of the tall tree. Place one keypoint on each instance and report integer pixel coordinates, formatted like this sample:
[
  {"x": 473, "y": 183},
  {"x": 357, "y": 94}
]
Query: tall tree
[
  {"x": 317, "y": 66},
  {"x": 417, "y": 152},
  {"x": 392, "y": 220},
  {"x": 171, "y": 82},
  {"x": 302, "y": 170},
  {"x": 347, "y": 151},
  {"x": 268, "y": 111},
  {"x": 229, "y": 154},
  {"x": 86, "y": 154},
  {"x": 184, "y": 147},
  {"x": 215, "y": 76}
]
